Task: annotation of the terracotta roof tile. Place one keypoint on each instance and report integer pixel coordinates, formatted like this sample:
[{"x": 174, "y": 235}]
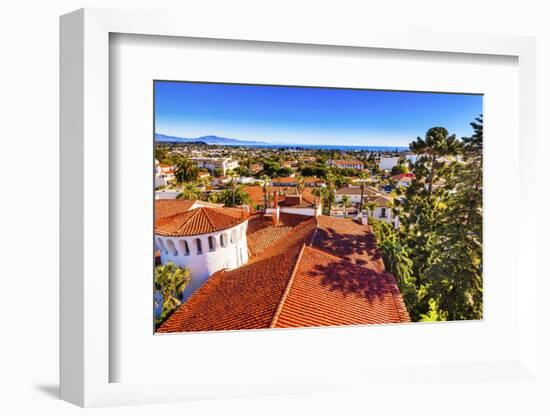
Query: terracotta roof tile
[
  {"x": 168, "y": 207},
  {"x": 298, "y": 279},
  {"x": 243, "y": 298},
  {"x": 327, "y": 290},
  {"x": 197, "y": 221},
  {"x": 348, "y": 240},
  {"x": 356, "y": 190}
]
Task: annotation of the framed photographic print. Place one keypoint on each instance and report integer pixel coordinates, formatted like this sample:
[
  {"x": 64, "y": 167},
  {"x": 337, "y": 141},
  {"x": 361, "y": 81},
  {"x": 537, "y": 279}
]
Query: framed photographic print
[{"x": 271, "y": 212}]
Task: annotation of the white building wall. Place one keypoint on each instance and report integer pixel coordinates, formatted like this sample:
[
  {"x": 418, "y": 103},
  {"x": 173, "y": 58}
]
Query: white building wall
[
  {"x": 233, "y": 254},
  {"x": 378, "y": 214},
  {"x": 163, "y": 194},
  {"x": 355, "y": 199},
  {"x": 387, "y": 163},
  {"x": 311, "y": 212}
]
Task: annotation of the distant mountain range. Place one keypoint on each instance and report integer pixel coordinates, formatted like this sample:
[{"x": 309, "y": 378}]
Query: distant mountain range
[{"x": 207, "y": 139}]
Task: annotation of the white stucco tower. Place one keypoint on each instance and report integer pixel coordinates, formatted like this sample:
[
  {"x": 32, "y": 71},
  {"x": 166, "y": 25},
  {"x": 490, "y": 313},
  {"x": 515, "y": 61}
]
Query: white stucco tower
[{"x": 205, "y": 240}]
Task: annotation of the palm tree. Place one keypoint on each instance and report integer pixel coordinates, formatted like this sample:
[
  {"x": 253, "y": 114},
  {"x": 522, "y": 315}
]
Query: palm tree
[
  {"x": 185, "y": 171},
  {"x": 233, "y": 197},
  {"x": 371, "y": 206},
  {"x": 300, "y": 184},
  {"x": 170, "y": 282},
  {"x": 329, "y": 192},
  {"x": 317, "y": 192},
  {"x": 436, "y": 143},
  {"x": 398, "y": 263},
  {"x": 266, "y": 180},
  {"x": 233, "y": 185},
  {"x": 346, "y": 203},
  {"x": 362, "y": 177},
  {"x": 190, "y": 191}
]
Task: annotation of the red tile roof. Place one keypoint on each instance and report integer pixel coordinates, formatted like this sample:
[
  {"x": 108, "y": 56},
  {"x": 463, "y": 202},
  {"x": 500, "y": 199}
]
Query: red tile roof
[
  {"x": 197, "y": 221},
  {"x": 244, "y": 298},
  {"x": 307, "y": 179},
  {"x": 348, "y": 240},
  {"x": 356, "y": 190},
  {"x": 402, "y": 176},
  {"x": 346, "y": 162},
  {"x": 256, "y": 193},
  {"x": 299, "y": 280},
  {"x": 168, "y": 207},
  {"x": 326, "y": 290}
]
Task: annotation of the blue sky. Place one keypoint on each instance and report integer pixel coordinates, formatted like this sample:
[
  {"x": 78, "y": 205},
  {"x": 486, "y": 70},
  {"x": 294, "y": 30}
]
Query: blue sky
[{"x": 298, "y": 115}]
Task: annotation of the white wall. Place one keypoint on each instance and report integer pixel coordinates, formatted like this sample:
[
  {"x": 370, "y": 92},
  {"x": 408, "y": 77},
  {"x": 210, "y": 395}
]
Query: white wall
[
  {"x": 386, "y": 163},
  {"x": 355, "y": 199},
  {"x": 29, "y": 29},
  {"x": 166, "y": 194},
  {"x": 302, "y": 211},
  {"x": 203, "y": 265}
]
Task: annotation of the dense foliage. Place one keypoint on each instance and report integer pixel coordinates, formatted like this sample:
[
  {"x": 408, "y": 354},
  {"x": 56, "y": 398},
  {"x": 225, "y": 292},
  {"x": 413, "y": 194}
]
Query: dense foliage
[
  {"x": 436, "y": 255},
  {"x": 170, "y": 282}
]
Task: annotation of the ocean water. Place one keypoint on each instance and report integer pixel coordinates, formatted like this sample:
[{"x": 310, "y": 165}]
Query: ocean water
[{"x": 328, "y": 147}]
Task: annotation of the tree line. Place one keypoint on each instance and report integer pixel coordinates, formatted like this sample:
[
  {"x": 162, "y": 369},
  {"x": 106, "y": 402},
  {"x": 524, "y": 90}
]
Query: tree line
[{"x": 436, "y": 254}]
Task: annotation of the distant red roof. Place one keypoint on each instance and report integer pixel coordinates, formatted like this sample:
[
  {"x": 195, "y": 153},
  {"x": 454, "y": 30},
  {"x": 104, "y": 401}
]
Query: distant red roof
[
  {"x": 256, "y": 193},
  {"x": 322, "y": 271},
  {"x": 403, "y": 176},
  {"x": 307, "y": 179},
  {"x": 197, "y": 221},
  {"x": 347, "y": 162}
]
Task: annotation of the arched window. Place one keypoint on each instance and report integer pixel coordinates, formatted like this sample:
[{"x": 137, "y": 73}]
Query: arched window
[
  {"x": 211, "y": 243},
  {"x": 198, "y": 243},
  {"x": 183, "y": 247},
  {"x": 171, "y": 247},
  {"x": 233, "y": 236},
  {"x": 161, "y": 245},
  {"x": 223, "y": 239}
]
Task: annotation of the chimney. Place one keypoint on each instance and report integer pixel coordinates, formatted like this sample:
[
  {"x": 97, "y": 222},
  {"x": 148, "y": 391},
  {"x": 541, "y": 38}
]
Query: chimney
[{"x": 275, "y": 211}]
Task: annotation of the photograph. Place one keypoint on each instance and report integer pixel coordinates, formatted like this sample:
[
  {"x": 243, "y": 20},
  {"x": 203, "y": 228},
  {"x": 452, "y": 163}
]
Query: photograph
[{"x": 291, "y": 206}]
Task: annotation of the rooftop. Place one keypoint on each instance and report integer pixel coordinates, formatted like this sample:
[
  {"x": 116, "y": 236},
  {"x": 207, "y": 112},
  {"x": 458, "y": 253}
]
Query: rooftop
[
  {"x": 197, "y": 221},
  {"x": 356, "y": 190},
  {"x": 306, "y": 271}
]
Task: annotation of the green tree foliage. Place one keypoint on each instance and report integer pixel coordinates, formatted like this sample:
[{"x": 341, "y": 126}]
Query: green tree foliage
[
  {"x": 437, "y": 143},
  {"x": 190, "y": 191},
  {"x": 397, "y": 169},
  {"x": 455, "y": 272},
  {"x": 170, "y": 282},
  {"x": 436, "y": 255},
  {"x": 346, "y": 202},
  {"x": 233, "y": 197},
  {"x": 317, "y": 170},
  {"x": 185, "y": 170},
  {"x": 162, "y": 154}
]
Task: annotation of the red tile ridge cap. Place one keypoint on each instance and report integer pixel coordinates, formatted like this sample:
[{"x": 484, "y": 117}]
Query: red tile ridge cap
[{"x": 287, "y": 288}]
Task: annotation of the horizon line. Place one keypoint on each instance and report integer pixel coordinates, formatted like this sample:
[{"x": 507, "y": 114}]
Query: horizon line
[{"x": 263, "y": 141}]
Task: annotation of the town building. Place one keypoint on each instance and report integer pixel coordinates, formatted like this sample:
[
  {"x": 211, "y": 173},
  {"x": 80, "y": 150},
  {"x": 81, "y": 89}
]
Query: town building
[
  {"x": 354, "y": 193},
  {"x": 310, "y": 181},
  {"x": 345, "y": 164},
  {"x": 403, "y": 179},
  {"x": 288, "y": 199},
  {"x": 164, "y": 174},
  {"x": 277, "y": 272},
  {"x": 222, "y": 164},
  {"x": 387, "y": 162},
  {"x": 203, "y": 239}
]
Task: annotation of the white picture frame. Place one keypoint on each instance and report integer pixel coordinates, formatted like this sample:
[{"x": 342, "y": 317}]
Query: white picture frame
[{"x": 85, "y": 213}]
